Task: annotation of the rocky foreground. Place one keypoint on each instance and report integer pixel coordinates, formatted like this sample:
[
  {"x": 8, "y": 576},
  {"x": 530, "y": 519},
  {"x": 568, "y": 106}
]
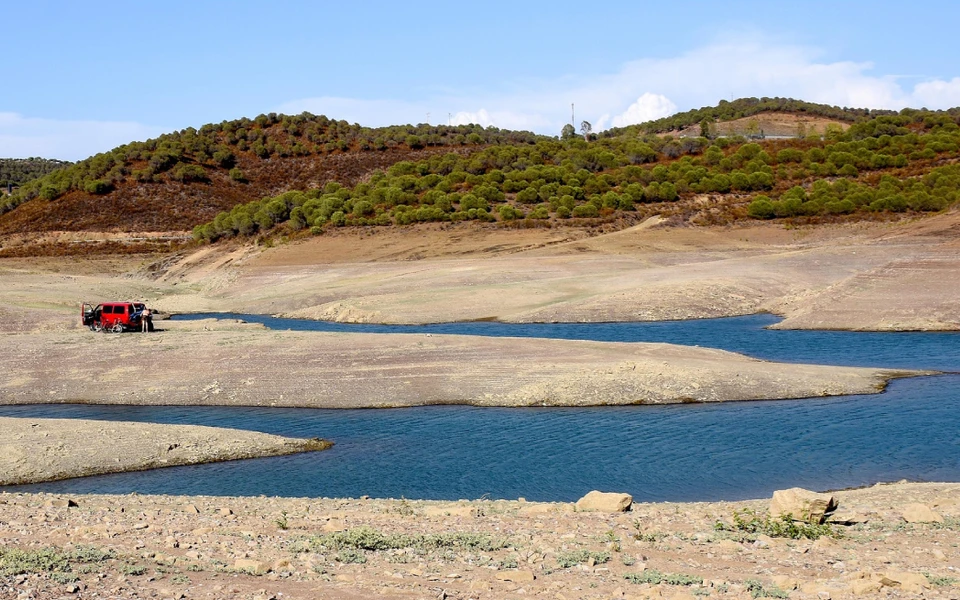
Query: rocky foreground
[
  {"x": 900, "y": 541},
  {"x": 35, "y": 450}
]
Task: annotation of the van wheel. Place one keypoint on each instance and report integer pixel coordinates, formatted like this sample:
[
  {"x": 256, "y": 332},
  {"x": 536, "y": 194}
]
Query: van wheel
[{"x": 97, "y": 326}]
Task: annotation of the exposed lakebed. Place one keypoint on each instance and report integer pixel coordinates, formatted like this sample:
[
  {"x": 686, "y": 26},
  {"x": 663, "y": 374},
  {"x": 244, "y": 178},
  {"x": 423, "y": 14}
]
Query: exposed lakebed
[{"x": 681, "y": 452}]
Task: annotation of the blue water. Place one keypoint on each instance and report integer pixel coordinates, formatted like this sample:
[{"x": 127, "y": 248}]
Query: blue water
[{"x": 680, "y": 452}]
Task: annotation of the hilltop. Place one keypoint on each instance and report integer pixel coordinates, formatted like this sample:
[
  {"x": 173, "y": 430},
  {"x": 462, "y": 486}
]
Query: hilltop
[
  {"x": 14, "y": 172},
  {"x": 293, "y": 176},
  {"x": 183, "y": 178}
]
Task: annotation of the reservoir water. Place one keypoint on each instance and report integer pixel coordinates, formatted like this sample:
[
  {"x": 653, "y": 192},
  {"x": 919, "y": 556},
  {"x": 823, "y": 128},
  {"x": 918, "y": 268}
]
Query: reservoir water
[{"x": 680, "y": 452}]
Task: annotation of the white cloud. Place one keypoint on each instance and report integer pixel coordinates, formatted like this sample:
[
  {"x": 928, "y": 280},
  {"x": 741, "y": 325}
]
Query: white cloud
[
  {"x": 937, "y": 93},
  {"x": 481, "y": 117},
  {"x": 22, "y": 137},
  {"x": 647, "y": 108},
  {"x": 647, "y": 89}
]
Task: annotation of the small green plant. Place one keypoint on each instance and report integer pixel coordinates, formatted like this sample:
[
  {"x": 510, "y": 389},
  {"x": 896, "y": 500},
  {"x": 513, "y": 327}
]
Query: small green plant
[
  {"x": 404, "y": 508},
  {"x": 612, "y": 540},
  {"x": 351, "y": 556},
  {"x": 654, "y": 577},
  {"x": 367, "y": 538},
  {"x": 749, "y": 522},
  {"x": 128, "y": 569},
  {"x": 282, "y": 522},
  {"x": 62, "y": 566},
  {"x": 63, "y": 578},
  {"x": 952, "y": 523},
  {"x": 939, "y": 581},
  {"x": 510, "y": 562},
  {"x": 565, "y": 560},
  {"x": 180, "y": 579},
  {"x": 640, "y": 536},
  {"x": 628, "y": 560},
  {"x": 758, "y": 590}
]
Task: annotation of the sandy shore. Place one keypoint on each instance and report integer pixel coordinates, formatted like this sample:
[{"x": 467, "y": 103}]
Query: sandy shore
[
  {"x": 229, "y": 363},
  {"x": 35, "y": 450},
  {"x": 258, "y": 548}
]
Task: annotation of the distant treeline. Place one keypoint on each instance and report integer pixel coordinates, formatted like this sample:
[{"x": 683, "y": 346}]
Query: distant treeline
[
  {"x": 17, "y": 171},
  {"x": 746, "y": 107},
  {"x": 887, "y": 163},
  {"x": 194, "y": 154}
]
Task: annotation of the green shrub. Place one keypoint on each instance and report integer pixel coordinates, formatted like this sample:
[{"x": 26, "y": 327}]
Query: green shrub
[
  {"x": 565, "y": 560},
  {"x": 97, "y": 186},
  {"x": 586, "y": 211},
  {"x": 758, "y": 590},
  {"x": 761, "y": 208},
  {"x": 654, "y": 577},
  {"x": 749, "y": 522}
]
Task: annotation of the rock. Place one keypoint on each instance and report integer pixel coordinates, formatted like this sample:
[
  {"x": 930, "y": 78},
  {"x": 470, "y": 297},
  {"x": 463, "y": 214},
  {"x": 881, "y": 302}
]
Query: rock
[
  {"x": 251, "y": 566},
  {"x": 515, "y": 576},
  {"x": 729, "y": 545},
  {"x": 60, "y": 503},
  {"x": 192, "y": 508},
  {"x": 604, "y": 502},
  {"x": 282, "y": 565},
  {"x": 786, "y": 582},
  {"x": 920, "y": 513},
  {"x": 802, "y": 505},
  {"x": 912, "y": 583},
  {"x": 845, "y": 517},
  {"x": 865, "y": 586}
]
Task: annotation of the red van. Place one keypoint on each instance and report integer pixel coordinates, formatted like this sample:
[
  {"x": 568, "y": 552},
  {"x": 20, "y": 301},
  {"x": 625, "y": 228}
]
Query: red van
[{"x": 113, "y": 316}]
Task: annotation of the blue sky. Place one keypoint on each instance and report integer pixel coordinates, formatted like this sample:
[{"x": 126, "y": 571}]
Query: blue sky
[{"x": 81, "y": 78}]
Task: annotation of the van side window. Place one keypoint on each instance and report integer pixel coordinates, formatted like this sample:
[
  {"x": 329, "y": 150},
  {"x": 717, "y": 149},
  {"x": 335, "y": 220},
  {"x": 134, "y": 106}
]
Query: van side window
[
  {"x": 108, "y": 310},
  {"x": 131, "y": 309}
]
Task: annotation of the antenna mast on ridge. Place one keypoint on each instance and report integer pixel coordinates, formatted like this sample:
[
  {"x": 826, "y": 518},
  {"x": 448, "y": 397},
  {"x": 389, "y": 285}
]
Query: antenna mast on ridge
[{"x": 572, "y": 119}]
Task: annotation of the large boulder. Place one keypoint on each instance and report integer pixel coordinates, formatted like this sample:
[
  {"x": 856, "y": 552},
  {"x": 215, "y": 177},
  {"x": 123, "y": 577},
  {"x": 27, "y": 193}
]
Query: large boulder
[
  {"x": 604, "y": 502},
  {"x": 920, "y": 513},
  {"x": 801, "y": 505}
]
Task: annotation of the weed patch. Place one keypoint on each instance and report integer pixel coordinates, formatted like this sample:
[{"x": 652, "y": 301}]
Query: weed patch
[
  {"x": 368, "y": 539},
  {"x": 758, "y": 590},
  {"x": 749, "y": 522},
  {"x": 565, "y": 560},
  {"x": 58, "y": 564},
  {"x": 654, "y": 577},
  {"x": 938, "y": 581}
]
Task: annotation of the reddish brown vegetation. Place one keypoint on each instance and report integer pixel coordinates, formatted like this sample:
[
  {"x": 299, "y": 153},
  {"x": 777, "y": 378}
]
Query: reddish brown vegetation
[{"x": 175, "y": 206}]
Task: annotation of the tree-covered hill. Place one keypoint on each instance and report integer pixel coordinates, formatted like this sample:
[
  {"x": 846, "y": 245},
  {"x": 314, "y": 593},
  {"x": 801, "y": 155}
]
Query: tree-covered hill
[
  {"x": 879, "y": 166},
  {"x": 746, "y": 107},
  {"x": 17, "y": 171},
  {"x": 280, "y": 175},
  {"x": 185, "y": 177}
]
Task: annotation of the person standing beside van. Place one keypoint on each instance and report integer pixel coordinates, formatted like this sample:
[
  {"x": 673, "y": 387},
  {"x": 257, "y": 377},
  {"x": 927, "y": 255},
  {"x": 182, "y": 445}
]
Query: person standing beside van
[{"x": 145, "y": 320}]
